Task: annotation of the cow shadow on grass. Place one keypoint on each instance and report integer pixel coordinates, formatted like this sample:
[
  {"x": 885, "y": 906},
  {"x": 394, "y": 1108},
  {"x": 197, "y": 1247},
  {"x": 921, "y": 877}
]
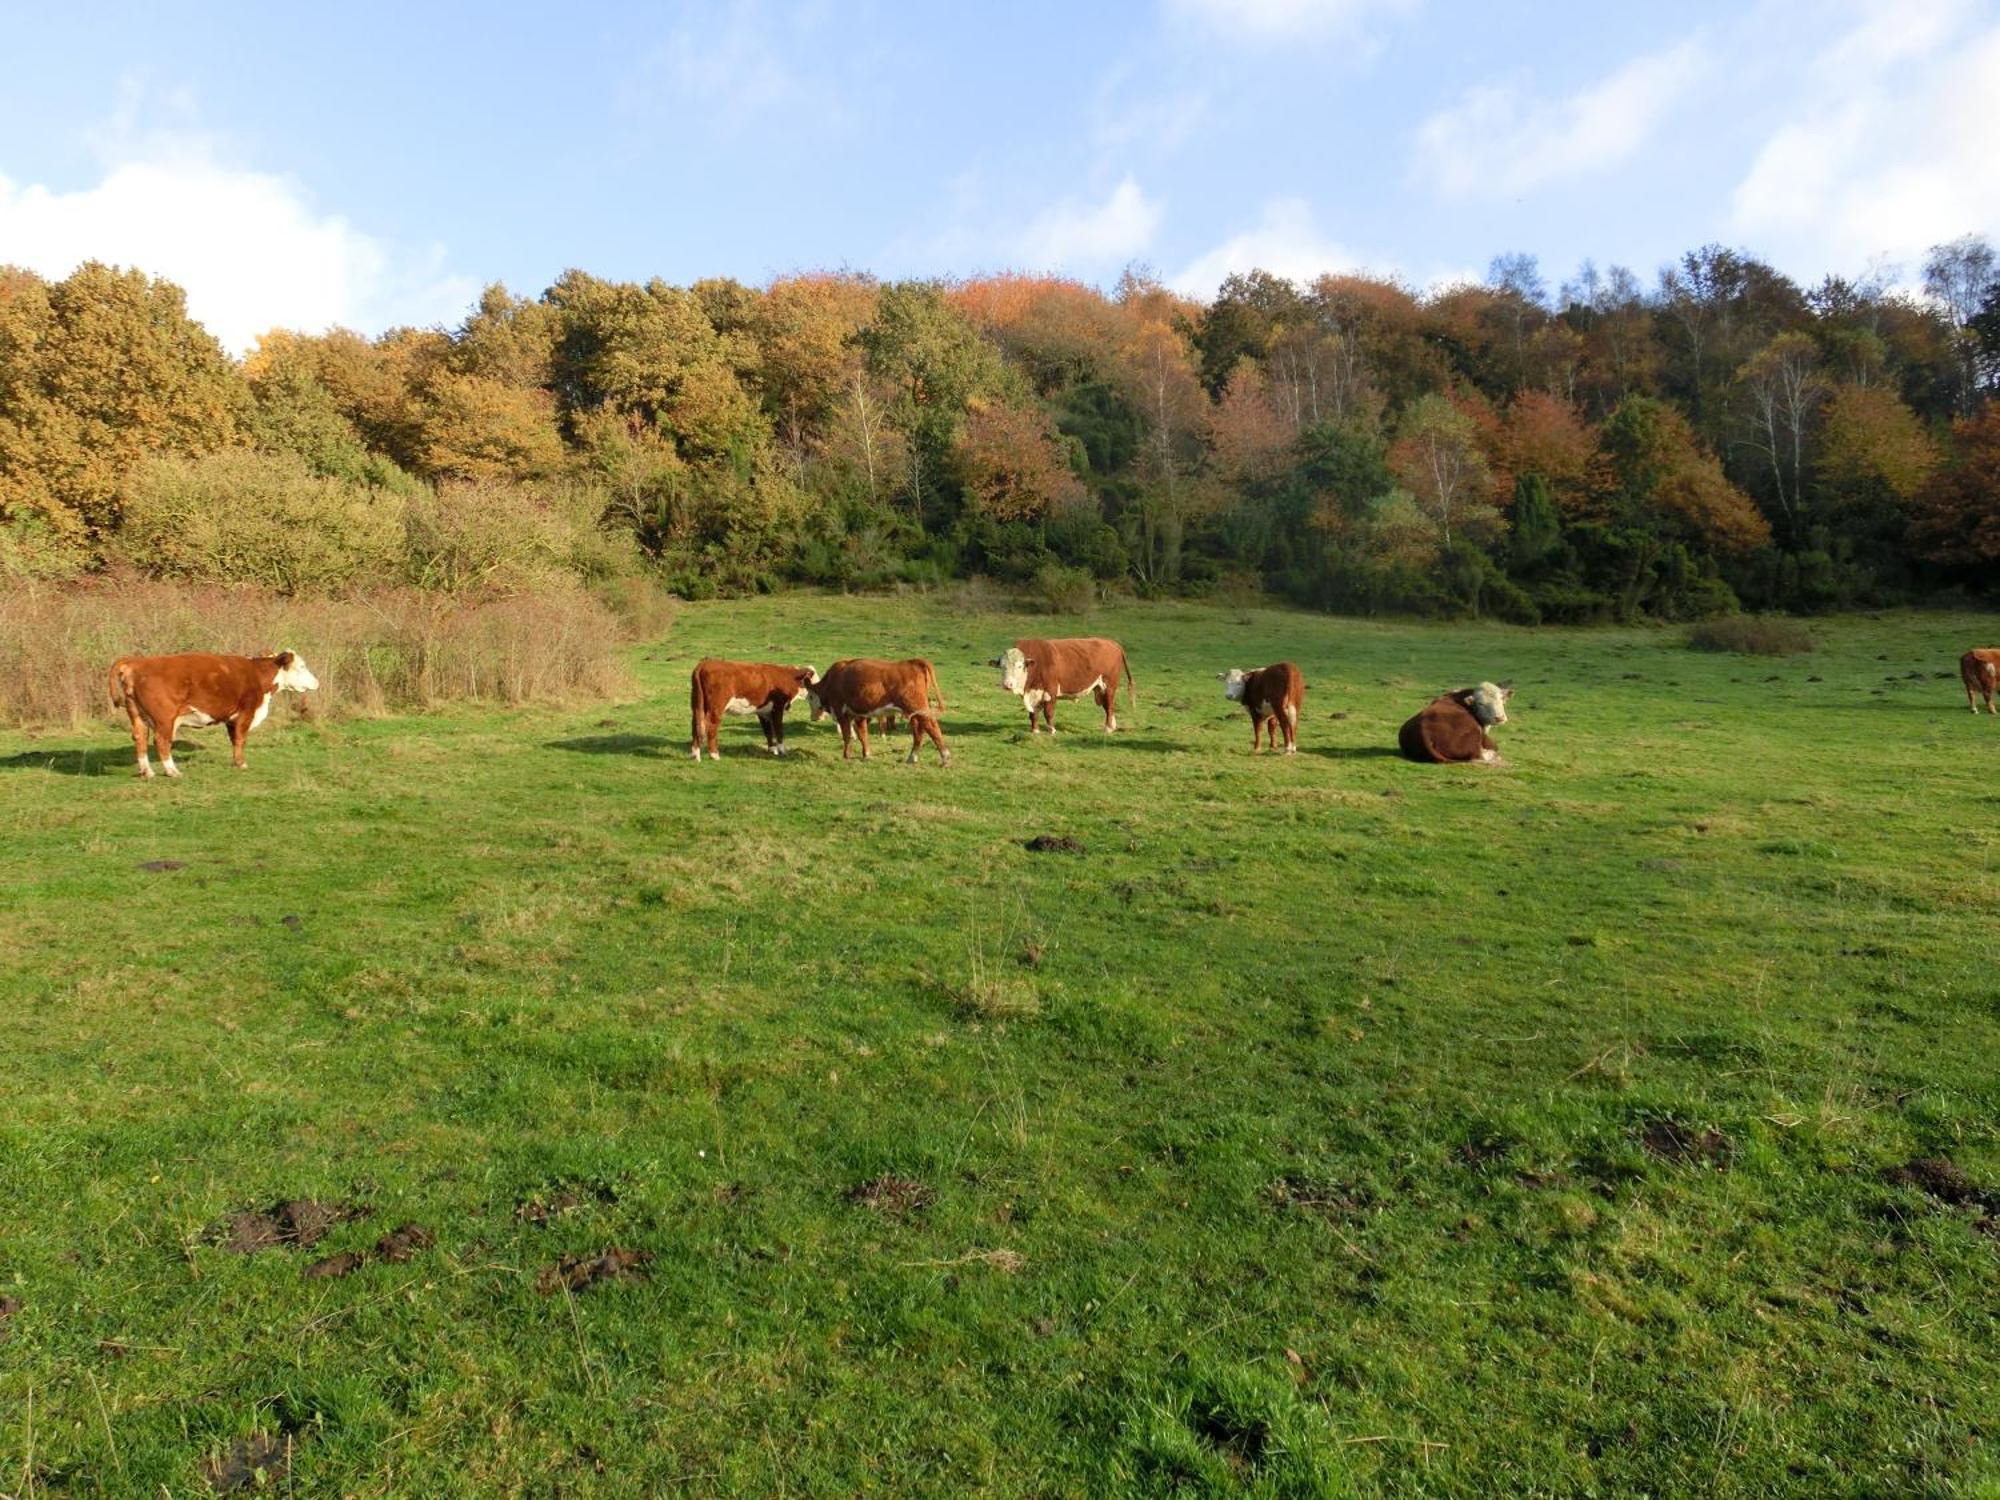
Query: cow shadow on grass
[
  {"x": 109, "y": 761},
  {"x": 648, "y": 746},
  {"x": 1353, "y": 752}
]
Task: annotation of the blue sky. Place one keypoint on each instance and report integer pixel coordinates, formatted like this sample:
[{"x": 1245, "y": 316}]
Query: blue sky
[{"x": 373, "y": 164}]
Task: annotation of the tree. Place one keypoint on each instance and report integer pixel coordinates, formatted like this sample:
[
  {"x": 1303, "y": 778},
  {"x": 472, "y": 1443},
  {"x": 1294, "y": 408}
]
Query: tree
[
  {"x": 1961, "y": 277},
  {"x": 1783, "y": 390},
  {"x": 1011, "y": 466},
  {"x": 928, "y": 355},
  {"x": 100, "y": 371},
  {"x": 1958, "y": 511},
  {"x": 1436, "y": 456},
  {"x": 1663, "y": 477}
]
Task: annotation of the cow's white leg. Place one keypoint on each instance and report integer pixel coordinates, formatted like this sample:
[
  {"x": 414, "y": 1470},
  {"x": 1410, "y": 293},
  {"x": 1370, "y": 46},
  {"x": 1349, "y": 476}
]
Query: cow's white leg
[
  {"x": 145, "y": 768},
  {"x": 695, "y": 751},
  {"x": 169, "y": 767}
]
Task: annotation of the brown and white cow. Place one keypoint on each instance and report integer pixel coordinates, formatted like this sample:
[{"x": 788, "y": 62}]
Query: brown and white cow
[
  {"x": 167, "y": 693},
  {"x": 1453, "y": 727},
  {"x": 1273, "y": 695},
  {"x": 1041, "y": 671},
  {"x": 857, "y": 690},
  {"x": 719, "y": 687},
  {"x": 1979, "y": 669}
]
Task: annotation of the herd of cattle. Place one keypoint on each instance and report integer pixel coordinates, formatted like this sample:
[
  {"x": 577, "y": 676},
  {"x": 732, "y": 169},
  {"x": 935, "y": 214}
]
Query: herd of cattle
[{"x": 165, "y": 694}]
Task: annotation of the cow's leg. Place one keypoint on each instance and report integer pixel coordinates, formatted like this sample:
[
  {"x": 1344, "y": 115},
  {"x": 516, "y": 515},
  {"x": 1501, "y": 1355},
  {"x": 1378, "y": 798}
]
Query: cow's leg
[
  {"x": 163, "y": 737},
  {"x": 1049, "y": 713},
  {"x": 846, "y": 736},
  {"x": 239, "y": 731},
  {"x": 139, "y": 738},
  {"x": 778, "y": 729},
  {"x": 764, "y": 723},
  {"x": 1291, "y": 731},
  {"x": 937, "y": 738},
  {"x": 861, "y": 729},
  {"x": 917, "y": 722}
]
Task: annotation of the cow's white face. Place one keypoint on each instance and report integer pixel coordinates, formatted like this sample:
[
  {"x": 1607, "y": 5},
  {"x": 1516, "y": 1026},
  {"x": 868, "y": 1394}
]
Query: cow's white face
[
  {"x": 1013, "y": 671},
  {"x": 1232, "y": 684},
  {"x": 294, "y": 676},
  {"x": 1489, "y": 703}
]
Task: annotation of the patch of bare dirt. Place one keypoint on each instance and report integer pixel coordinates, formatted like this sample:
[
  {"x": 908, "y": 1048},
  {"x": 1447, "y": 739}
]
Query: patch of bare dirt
[
  {"x": 1670, "y": 1140},
  {"x": 1944, "y": 1181},
  {"x": 344, "y": 1264},
  {"x": 1053, "y": 843},
  {"x": 161, "y": 866},
  {"x": 1330, "y": 1200},
  {"x": 9, "y": 1306},
  {"x": 560, "y": 1198},
  {"x": 399, "y": 1244},
  {"x": 581, "y": 1272},
  {"x": 898, "y": 1197},
  {"x": 291, "y": 1224},
  {"x": 262, "y": 1460}
]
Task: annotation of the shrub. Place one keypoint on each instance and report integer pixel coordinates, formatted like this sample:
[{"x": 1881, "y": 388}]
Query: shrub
[
  {"x": 263, "y": 518},
  {"x": 1065, "y": 590},
  {"x": 505, "y": 538},
  {"x": 1752, "y": 635},
  {"x": 387, "y": 649}
]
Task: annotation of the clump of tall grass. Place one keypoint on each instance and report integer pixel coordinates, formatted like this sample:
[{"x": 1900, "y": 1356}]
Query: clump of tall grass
[
  {"x": 373, "y": 650},
  {"x": 1752, "y": 635}
]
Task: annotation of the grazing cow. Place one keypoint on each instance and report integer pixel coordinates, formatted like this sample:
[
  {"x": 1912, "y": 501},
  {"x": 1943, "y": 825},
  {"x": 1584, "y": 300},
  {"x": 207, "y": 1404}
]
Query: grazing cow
[
  {"x": 1042, "y": 671},
  {"x": 1980, "y": 670},
  {"x": 1453, "y": 727},
  {"x": 858, "y": 690},
  {"x": 163, "y": 693},
  {"x": 1273, "y": 696},
  {"x": 742, "y": 687}
]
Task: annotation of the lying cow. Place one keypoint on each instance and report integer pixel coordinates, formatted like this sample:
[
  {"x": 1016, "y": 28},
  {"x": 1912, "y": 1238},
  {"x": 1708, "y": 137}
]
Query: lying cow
[
  {"x": 163, "y": 693},
  {"x": 1040, "y": 672},
  {"x": 717, "y": 687},
  {"x": 1453, "y": 727},
  {"x": 1273, "y": 695},
  {"x": 1979, "y": 669},
  {"x": 857, "y": 690}
]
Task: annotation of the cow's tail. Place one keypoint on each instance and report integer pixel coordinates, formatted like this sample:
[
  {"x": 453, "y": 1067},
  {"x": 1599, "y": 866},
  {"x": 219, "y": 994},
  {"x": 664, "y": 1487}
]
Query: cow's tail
[
  {"x": 1131, "y": 687},
  {"x": 121, "y": 681},
  {"x": 932, "y": 689}
]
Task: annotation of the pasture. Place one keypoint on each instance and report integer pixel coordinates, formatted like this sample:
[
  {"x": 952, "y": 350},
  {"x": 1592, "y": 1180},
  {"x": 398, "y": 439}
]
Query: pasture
[{"x": 1621, "y": 1119}]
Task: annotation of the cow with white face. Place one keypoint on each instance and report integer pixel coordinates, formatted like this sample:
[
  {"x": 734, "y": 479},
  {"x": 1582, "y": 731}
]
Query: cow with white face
[
  {"x": 168, "y": 693},
  {"x": 1453, "y": 727},
  {"x": 1273, "y": 695},
  {"x": 1039, "y": 672}
]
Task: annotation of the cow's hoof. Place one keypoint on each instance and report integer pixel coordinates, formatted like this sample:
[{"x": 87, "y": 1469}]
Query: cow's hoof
[
  {"x": 944, "y": 757},
  {"x": 144, "y": 773},
  {"x": 173, "y": 771}
]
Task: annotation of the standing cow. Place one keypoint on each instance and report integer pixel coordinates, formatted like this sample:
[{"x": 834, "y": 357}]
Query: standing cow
[
  {"x": 1979, "y": 669},
  {"x": 1273, "y": 695},
  {"x": 858, "y": 690},
  {"x": 164, "y": 693},
  {"x": 1040, "y": 672},
  {"x": 1453, "y": 727},
  {"x": 742, "y": 687}
]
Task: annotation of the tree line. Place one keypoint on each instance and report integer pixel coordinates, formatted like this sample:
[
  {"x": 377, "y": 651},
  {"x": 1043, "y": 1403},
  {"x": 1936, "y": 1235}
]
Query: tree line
[{"x": 1722, "y": 437}]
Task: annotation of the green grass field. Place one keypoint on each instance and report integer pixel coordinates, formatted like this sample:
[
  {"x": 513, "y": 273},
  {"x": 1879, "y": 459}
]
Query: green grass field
[{"x": 1327, "y": 1125}]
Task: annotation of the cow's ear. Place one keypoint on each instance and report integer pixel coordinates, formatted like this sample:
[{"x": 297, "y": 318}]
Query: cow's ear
[
  {"x": 284, "y": 660},
  {"x": 1506, "y": 690}
]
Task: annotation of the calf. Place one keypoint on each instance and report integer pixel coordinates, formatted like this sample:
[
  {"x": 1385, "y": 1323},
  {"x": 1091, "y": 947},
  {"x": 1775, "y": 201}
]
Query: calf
[
  {"x": 162, "y": 693},
  {"x": 857, "y": 690},
  {"x": 1040, "y": 672},
  {"x": 716, "y": 688},
  {"x": 1273, "y": 696},
  {"x": 1979, "y": 669},
  {"x": 1453, "y": 727}
]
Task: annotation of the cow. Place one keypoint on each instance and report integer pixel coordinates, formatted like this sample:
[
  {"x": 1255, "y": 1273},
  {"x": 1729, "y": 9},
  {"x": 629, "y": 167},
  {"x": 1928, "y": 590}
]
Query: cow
[
  {"x": 1040, "y": 672},
  {"x": 1453, "y": 727},
  {"x": 1273, "y": 696},
  {"x": 856, "y": 690},
  {"x": 1979, "y": 669},
  {"x": 164, "y": 693},
  {"x": 718, "y": 687}
]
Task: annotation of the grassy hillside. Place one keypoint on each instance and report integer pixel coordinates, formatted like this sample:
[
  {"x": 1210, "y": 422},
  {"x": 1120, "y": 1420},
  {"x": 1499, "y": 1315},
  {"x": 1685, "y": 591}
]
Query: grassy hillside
[{"x": 1619, "y": 1119}]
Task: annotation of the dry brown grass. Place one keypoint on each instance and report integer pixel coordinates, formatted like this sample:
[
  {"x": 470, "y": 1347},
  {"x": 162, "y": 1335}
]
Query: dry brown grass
[{"x": 385, "y": 649}]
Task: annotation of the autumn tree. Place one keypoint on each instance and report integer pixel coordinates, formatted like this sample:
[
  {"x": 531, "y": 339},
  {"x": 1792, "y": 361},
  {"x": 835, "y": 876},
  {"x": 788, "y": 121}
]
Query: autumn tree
[
  {"x": 1437, "y": 458},
  {"x": 1957, "y": 520},
  {"x": 1011, "y": 465}
]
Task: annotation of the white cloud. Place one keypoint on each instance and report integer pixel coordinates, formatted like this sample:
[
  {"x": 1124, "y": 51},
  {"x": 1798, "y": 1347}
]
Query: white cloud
[
  {"x": 1890, "y": 150},
  {"x": 1286, "y": 242},
  {"x": 1074, "y": 233},
  {"x": 248, "y": 247},
  {"x": 736, "y": 64},
  {"x": 1266, "y": 21},
  {"x": 1497, "y": 143}
]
